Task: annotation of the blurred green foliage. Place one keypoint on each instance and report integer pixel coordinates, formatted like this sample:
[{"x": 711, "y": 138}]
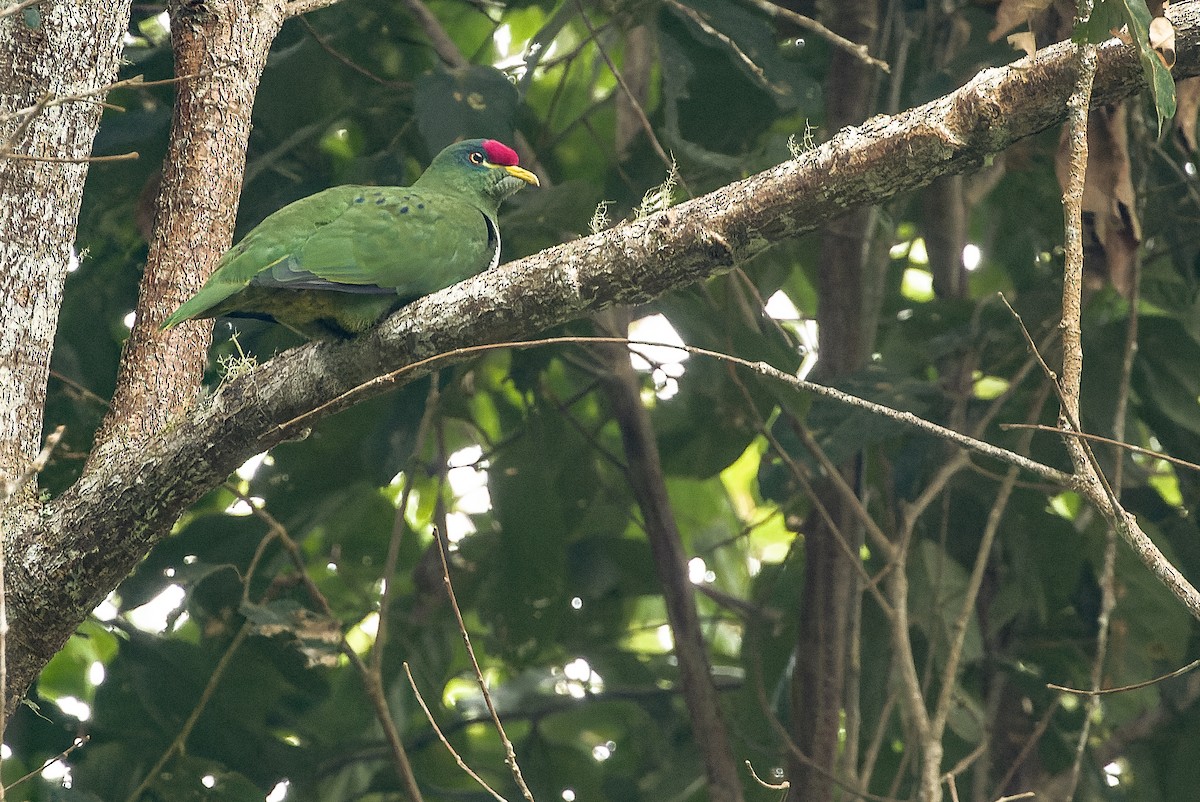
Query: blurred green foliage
[{"x": 523, "y": 466}]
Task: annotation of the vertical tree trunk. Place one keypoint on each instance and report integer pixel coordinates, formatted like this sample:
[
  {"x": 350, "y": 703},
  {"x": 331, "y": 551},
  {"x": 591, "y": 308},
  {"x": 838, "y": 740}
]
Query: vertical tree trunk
[
  {"x": 52, "y": 51},
  {"x": 848, "y": 294},
  {"x": 223, "y": 44},
  {"x": 623, "y": 390},
  {"x": 220, "y": 49}
]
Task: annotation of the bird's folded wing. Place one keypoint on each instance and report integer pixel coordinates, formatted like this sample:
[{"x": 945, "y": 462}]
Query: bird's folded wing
[{"x": 407, "y": 241}]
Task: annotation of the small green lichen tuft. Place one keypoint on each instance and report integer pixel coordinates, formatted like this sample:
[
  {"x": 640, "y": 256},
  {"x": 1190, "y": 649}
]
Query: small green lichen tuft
[
  {"x": 234, "y": 366},
  {"x": 659, "y": 198},
  {"x": 599, "y": 220},
  {"x": 798, "y": 149}
]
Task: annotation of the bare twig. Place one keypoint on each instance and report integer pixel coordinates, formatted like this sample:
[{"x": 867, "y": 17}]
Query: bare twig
[
  {"x": 462, "y": 764},
  {"x": 1125, "y": 688},
  {"x": 442, "y": 44},
  {"x": 180, "y": 741},
  {"x": 80, "y": 741},
  {"x": 9, "y": 488},
  {"x": 622, "y": 390},
  {"x": 372, "y": 685},
  {"x": 393, "y": 552},
  {"x": 118, "y": 157},
  {"x": 704, "y": 25},
  {"x": 339, "y": 56},
  {"x": 1090, "y": 481},
  {"x": 294, "y": 8},
  {"x": 633, "y": 101},
  {"x": 49, "y": 100},
  {"x": 1099, "y": 438},
  {"x": 1027, "y": 748},
  {"x": 510, "y": 754},
  {"x": 853, "y": 48},
  {"x": 762, "y": 368},
  {"x": 782, "y": 786},
  {"x": 949, "y": 679},
  {"x": 786, "y": 737}
]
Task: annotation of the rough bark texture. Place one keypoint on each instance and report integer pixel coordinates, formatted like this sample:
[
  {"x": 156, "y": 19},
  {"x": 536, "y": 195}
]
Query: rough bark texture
[
  {"x": 58, "y": 50},
  {"x": 86, "y": 540},
  {"x": 849, "y": 282},
  {"x": 224, "y": 45},
  {"x": 623, "y": 389}
]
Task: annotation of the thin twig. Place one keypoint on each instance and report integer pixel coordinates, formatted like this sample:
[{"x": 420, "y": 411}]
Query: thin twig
[
  {"x": 762, "y": 368},
  {"x": 1090, "y": 480},
  {"x": 118, "y": 157},
  {"x": 793, "y": 749},
  {"x": 855, "y": 49},
  {"x": 462, "y": 764},
  {"x": 16, "y": 8},
  {"x": 1099, "y": 438},
  {"x": 1124, "y": 688},
  {"x": 393, "y": 553},
  {"x": 339, "y": 56},
  {"x": 949, "y": 680},
  {"x": 294, "y": 8},
  {"x": 782, "y": 786},
  {"x": 633, "y": 101},
  {"x": 371, "y": 685},
  {"x": 510, "y": 754},
  {"x": 1035, "y": 736},
  {"x": 442, "y": 44},
  {"x": 80, "y": 741},
  {"x": 9, "y": 488},
  {"x": 704, "y": 25},
  {"x": 177, "y": 745}
]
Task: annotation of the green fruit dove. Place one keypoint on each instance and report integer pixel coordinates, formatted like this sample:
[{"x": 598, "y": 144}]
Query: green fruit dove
[{"x": 336, "y": 263}]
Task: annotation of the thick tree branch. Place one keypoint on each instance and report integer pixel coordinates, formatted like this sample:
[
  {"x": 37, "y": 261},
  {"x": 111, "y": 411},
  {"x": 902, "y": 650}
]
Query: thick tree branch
[{"x": 87, "y": 539}]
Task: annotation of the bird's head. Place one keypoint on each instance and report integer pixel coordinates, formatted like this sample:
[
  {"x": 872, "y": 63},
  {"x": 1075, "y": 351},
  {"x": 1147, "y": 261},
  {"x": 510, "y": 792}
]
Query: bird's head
[{"x": 483, "y": 166}]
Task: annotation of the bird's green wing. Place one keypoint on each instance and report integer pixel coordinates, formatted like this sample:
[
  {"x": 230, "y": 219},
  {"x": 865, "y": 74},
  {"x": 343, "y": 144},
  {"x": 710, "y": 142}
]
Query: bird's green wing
[
  {"x": 353, "y": 239},
  {"x": 409, "y": 242}
]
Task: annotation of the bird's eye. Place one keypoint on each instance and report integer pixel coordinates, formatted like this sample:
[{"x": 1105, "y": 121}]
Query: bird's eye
[{"x": 476, "y": 157}]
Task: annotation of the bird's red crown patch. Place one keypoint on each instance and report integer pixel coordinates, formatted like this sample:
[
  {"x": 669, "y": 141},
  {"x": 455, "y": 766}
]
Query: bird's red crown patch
[{"x": 499, "y": 153}]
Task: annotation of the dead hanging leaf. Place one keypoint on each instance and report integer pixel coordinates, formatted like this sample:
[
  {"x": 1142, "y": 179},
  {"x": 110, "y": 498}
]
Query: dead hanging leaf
[
  {"x": 1112, "y": 231},
  {"x": 1123, "y": 35},
  {"x": 1025, "y": 41},
  {"x": 1012, "y": 13},
  {"x": 1187, "y": 91},
  {"x": 1162, "y": 39}
]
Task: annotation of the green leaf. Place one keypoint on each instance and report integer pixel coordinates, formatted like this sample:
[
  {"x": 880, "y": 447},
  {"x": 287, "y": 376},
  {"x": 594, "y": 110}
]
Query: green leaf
[{"x": 1110, "y": 15}]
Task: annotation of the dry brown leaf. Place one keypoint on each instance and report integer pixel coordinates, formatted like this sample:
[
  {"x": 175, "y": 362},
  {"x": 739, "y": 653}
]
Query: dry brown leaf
[
  {"x": 1024, "y": 40},
  {"x": 1187, "y": 95},
  {"x": 1012, "y": 13},
  {"x": 1112, "y": 231}
]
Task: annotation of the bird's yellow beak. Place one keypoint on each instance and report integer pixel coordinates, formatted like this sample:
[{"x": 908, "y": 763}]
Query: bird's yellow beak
[{"x": 523, "y": 174}]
